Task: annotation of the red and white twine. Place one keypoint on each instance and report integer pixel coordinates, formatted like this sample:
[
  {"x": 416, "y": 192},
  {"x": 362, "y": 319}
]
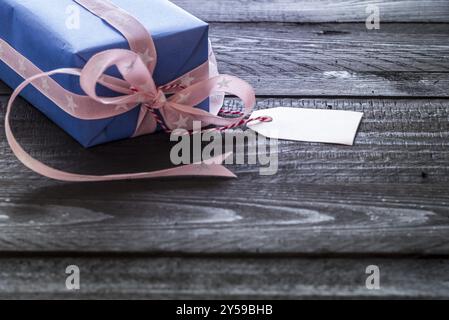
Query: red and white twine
[{"x": 240, "y": 123}]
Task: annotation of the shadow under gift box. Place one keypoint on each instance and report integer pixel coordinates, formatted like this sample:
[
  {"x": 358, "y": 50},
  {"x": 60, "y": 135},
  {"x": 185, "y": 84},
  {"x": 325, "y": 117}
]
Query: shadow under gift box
[{"x": 38, "y": 30}]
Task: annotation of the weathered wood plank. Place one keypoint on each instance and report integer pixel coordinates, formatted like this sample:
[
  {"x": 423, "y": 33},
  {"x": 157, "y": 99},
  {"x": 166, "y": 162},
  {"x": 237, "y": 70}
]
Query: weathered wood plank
[
  {"x": 387, "y": 194},
  {"x": 273, "y": 217},
  {"x": 196, "y": 278},
  {"x": 336, "y": 59},
  {"x": 370, "y": 84},
  {"x": 310, "y": 11},
  {"x": 336, "y": 47}
]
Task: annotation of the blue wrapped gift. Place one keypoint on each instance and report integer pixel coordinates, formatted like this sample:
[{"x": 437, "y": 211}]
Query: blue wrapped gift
[{"x": 38, "y": 31}]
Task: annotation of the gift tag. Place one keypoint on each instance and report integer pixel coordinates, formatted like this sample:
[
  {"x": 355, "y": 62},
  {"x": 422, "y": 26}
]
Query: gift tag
[{"x": 311, "y": 125}]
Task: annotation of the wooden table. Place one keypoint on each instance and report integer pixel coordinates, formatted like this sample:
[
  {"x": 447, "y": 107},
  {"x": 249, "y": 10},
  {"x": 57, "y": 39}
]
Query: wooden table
[{"x": 309, "y": 231}]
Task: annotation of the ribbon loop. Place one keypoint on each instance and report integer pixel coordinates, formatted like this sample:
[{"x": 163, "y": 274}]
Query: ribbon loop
[
  {"x": 182, "y": 102},
  {"x": 142, "y": 89},
  {"x": 131, "y": 67}
]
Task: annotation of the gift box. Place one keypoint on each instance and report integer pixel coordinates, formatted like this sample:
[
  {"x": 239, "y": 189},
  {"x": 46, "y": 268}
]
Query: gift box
[{"x": 40, "y": 33}]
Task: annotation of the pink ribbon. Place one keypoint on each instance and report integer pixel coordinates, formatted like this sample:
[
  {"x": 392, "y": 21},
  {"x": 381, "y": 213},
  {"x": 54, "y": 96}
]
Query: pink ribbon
[{"x": 138, "y": 88}]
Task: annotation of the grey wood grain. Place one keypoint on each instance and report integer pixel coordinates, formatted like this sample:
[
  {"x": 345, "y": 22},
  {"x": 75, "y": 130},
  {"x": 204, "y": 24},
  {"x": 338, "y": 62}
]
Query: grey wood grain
[
  {"x": 400, "y": 60},
  {"x": 310, "y": 11},
  {"x": 219, "y": 278},
  {"x": 387, "y": 194},
  {"x": 308, "y": 231},
  {"x": 336, "y": 59}
]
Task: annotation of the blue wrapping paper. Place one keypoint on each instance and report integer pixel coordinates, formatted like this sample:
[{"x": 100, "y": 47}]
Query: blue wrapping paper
[{"x": 37, "y": 29}]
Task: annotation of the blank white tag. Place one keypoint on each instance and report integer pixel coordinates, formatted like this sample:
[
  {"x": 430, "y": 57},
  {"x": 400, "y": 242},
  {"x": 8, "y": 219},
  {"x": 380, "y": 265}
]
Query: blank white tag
[{"x": 312, "y": 125}]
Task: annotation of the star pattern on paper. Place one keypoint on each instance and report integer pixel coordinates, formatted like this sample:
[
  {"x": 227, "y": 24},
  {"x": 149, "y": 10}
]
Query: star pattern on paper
[
  {"x": 21, "y": 66},
  {"x": 124, "y": 19},
  {"x": 183, "y": 97},
  {"x": 187, "y": 81},
  {"x": 224, "y": 83},
  {"x": 146, "y": 57},
  {"x": 118, "y": 17},
  {"x": 130, "y": 66},
  {"x": 44, "y": 85},
  {"x": 215, "y": 99},
  {"x": 181, "y": 123},
  {"x": 71, "y": 104},
  {"x": 97, "y": 7},
  {"x": 121, "y": 107}
]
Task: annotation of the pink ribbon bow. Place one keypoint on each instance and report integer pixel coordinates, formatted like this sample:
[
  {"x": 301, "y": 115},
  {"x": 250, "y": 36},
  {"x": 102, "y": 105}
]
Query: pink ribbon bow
[{"x": 138, "y": 88}]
